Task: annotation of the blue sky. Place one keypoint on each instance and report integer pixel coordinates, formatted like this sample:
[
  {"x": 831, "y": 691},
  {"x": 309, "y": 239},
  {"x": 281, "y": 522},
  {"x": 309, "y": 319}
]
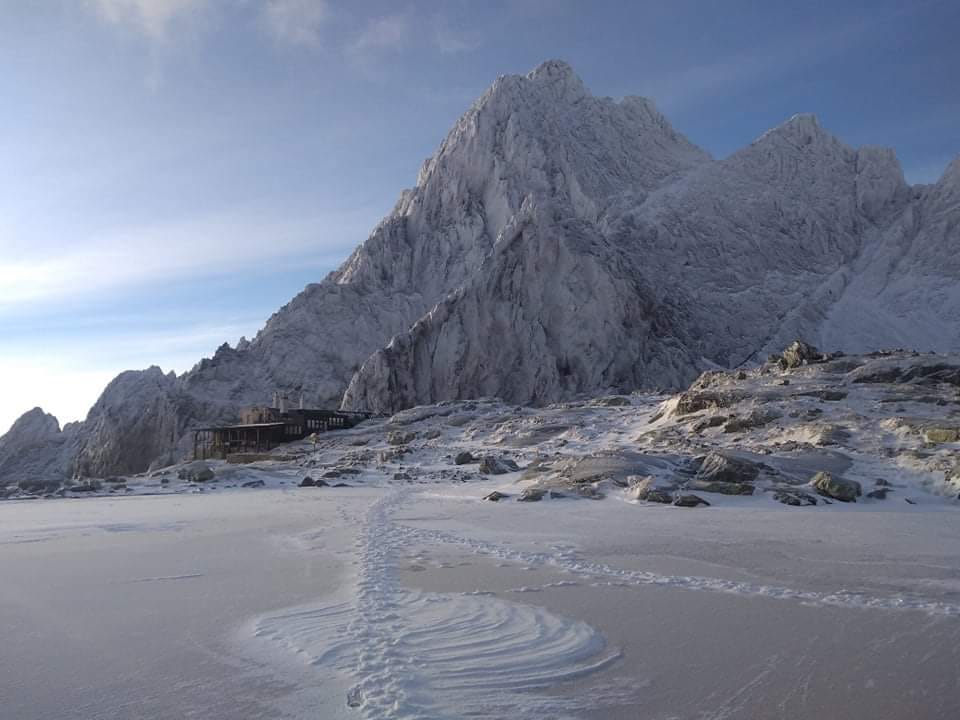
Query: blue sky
[{"x": 175, "y": 170}]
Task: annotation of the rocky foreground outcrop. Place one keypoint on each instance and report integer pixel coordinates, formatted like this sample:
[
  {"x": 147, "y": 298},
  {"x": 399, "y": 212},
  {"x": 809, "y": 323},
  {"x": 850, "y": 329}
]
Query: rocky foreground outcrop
[
  {"x": 837, "y": 430},
  {"x": 560, "y": 244}
]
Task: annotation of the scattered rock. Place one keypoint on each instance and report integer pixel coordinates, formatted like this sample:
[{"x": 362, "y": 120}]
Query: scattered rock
[
  {"x": 496, "y": 496},
  {"x": 795, "y": 498},
  {"x": 649, "y": 490},
  {"x": 613, "y": 401},
  {"x": 723, "y": 488},
  {"x": 532, "y": 494},
  {"x": 756, "y": 418},
  {"x": 874, "y": 374},
  {"x": 690, "y": 500},
  {"x": 197, "y": 471},
  {"x": 497, "y": 466},
  {"x": 828, "y": 395},
  {"x": 386, "y": 456},
  {"x": 464, "y": 458},
  {"x": 340, "y": 471},
  {"x": 836, "y": 488},
  {"x": 709, "y": 422},
  {"x": 402, "y": 476},
  {"x": 719, "y": 467},
  {"x": 939, "y": 435},
  {"x": 86, "y": 487},
  {"x": 741, "y": 375},
  {"x": 398, "y": 437},
  {"x": 693, "y": 401},
  {"x": 799, "y": 353}
]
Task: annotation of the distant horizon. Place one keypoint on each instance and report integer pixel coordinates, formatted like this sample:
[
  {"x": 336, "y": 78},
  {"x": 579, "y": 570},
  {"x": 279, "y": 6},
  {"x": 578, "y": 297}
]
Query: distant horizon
[{"x": 177, "y": 172}]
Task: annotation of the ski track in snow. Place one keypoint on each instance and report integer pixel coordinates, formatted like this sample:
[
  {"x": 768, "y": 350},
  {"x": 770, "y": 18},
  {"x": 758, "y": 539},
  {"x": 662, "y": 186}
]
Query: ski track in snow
[{"x": 413, "y": 654}]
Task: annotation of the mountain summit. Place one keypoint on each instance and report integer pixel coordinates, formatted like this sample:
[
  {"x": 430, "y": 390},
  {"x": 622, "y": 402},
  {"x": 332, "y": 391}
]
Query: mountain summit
[{"x": 559, "y": 243}]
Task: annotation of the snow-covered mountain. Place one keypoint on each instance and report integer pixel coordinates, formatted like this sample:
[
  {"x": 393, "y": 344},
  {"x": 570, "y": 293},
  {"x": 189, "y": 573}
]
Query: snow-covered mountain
[{"x": 556, "y": 244}]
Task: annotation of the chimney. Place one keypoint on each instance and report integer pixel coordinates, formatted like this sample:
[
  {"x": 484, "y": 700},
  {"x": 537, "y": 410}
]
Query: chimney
[
  {"x": 283, "y": 403},
  {"x": 275, "y": 404},
  {"x": 301, "y": 401}
]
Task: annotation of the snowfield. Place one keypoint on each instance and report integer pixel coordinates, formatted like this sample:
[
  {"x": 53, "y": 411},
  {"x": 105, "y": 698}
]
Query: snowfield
[{"x": 673, "y": 557}]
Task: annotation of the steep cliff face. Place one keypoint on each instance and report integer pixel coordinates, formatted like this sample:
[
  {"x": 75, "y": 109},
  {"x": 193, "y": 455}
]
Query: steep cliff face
[
  {"x": 540, "y": 135},
  {"x": 558, "y": 243},
  {"x": 556, "y": 310},
  {"x": 721, "y": 264}
]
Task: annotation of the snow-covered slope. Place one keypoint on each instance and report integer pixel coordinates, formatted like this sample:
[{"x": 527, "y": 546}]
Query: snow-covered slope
[{"x": 559, "y": 243}]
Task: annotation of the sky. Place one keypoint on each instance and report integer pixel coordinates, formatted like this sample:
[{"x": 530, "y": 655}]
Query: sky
[{"x": 173, "y": 171}]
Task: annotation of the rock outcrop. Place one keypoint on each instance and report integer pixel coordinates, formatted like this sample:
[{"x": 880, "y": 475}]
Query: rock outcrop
[{"x": 559, "y": 243}]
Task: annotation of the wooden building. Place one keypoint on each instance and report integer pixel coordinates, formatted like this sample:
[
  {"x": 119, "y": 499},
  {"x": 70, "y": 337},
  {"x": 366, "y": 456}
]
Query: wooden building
[{"x": 263, "y": 429}]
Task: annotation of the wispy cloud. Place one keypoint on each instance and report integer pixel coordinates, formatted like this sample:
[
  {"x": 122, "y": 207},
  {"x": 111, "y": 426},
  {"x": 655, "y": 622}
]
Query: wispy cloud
[
  {"x": 194, "y": 248},
  {"x": 450, "y": 40},
  {"x": 152, "y": 18},
  {"x": 296, "y": 22},
  {"x": 774, "y": 58},
  {"x": 387, "y": 33}
]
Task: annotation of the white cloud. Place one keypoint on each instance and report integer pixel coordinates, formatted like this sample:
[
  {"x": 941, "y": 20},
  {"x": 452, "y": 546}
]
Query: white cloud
[
  {"x": 152, "y": 18},
  {"x": 296, "y": 22}
]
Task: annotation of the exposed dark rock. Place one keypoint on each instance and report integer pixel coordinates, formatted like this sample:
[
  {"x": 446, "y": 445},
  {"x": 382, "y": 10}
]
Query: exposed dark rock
[
  {"x": 308, "y": 482},
  {"x": 796, "y": 498},
  {"x": 464, "y": 458},
  {"x": 693, "y": 401},
  {"x": 613, "y": 401},
  {"x": 340, "y": 471},
  {"x": 879, "y": 493},
  {"x": 828, "y": 395},
  {"x": 257, "y": 483},
  {"x": 496, "y": 496},
  {"x": 690, "y": 500},
  {"x": 709, "y": 422},
  {"x": 723, "y": 488},
  {"x": 836, "y": 488},
  {"x": 873, "y": 374},
  {"x": 497, "y": 466},
  {"x": 719, "y": 467},
  {"x": 941, "y": 434},
  {"x": 800, "y": 353},
  {"x": 196, "y": 472},
  {"x": 756, "y": 418}
]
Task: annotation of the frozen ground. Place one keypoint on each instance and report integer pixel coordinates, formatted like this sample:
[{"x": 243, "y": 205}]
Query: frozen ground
[
  {"x": 404, "y": 594},
  {"x": 431, "y": 603}
]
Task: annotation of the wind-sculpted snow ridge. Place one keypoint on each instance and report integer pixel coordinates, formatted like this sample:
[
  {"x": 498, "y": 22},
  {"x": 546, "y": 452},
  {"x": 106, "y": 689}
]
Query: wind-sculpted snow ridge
[
  {"x": 412, "y": 654},
  {"x": 560, "y": 244}
]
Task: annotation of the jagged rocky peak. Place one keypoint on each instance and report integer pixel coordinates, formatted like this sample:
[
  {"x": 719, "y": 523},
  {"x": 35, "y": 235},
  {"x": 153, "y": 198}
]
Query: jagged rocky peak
[
  {"x": 951, "y": 175},
  {"x": 34, "y": 424},
  {"x": 559, "y": 79}
]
